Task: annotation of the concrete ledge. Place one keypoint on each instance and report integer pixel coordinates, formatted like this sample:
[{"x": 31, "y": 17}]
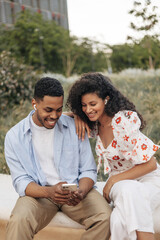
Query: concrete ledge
[
  {"x": 59, "y": 233},
  {"x": 61, "y": 226}
]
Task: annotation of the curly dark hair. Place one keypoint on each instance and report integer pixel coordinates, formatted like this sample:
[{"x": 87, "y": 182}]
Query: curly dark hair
[
  {"x": 103, "y": 87},
  {"x": 48, "y": 87}
]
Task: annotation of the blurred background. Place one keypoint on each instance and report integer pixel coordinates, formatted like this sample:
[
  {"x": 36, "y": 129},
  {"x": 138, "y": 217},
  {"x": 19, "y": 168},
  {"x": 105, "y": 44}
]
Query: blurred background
[{"x": 64, "y": 39}]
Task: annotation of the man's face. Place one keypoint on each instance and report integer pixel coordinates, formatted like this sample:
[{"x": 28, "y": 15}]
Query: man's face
[{"x": 48, "y": 111}]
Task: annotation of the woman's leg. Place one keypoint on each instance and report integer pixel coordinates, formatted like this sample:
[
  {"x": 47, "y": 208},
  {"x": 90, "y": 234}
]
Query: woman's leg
[
  {"x": 132, "y": 210},
  {"x": 144, "y": 236}
]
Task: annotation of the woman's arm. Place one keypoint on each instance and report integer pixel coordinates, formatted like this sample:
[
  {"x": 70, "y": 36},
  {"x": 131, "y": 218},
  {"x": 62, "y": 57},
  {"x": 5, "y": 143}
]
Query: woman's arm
[
  {"x": 70, "y": 114},
  {"x": 137, "y": 171},
  {"x": 81, "y": 126}
]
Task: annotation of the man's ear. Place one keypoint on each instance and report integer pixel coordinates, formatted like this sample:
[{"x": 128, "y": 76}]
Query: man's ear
[{"x": 34, "y": 104}]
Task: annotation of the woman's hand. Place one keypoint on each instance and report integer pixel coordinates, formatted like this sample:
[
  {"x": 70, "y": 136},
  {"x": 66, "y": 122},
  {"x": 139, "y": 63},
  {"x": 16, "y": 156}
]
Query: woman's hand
[
  {"x": 107, "y": 188},
  {"x": 81, "y": 127}
]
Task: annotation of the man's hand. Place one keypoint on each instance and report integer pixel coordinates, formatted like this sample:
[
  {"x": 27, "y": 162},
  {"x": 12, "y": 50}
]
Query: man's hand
[
  {"x": 85, "y": 185},
  {"x": 76, "y": 197},
  {"x": 58, "y": 195}
]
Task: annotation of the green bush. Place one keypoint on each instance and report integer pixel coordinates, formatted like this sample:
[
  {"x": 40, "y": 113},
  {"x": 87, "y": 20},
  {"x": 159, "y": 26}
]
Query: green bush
[{"x": 16, "y": 82}]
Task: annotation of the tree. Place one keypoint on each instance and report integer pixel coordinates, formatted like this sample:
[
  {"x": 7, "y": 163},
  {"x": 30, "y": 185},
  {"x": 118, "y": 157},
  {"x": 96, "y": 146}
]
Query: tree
[
  {"x": 37, "y": 40},
  {"x": 122, "y": 57},
  {"x": 69, "y": 53},
  {"x": 91, "y": 56},
  {"x": 146, "y": 21}
]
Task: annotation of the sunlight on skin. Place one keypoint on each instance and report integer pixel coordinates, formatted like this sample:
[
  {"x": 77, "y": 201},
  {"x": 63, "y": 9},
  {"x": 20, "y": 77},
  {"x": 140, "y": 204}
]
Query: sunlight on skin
[{"x": 145, "y": 236}]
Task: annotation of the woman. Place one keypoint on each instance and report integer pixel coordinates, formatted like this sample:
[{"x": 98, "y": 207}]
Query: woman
[{"x": 134, "y": 176}]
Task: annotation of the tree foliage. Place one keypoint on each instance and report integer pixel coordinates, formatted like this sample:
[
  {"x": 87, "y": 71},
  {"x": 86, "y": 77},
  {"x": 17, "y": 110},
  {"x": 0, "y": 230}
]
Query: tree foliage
[
  {"x": 146, "y": 20},
  {"x": 49, "y": 47},
  {"x": 135, "y": 55}
]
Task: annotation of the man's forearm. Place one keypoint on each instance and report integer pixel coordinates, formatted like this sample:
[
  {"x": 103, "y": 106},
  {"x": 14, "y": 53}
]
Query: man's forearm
[
  {"x": 54, "y": 192},
  {"x": 35, "y": 190},
  {"x": 86, "y": 184}
]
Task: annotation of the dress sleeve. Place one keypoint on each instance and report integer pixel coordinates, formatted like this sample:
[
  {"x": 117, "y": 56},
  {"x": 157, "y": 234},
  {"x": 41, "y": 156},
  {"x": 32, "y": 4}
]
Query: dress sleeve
[{"x": 132, "y": 143}]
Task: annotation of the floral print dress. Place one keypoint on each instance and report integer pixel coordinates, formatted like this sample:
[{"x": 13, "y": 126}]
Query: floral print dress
[
  {"x": 129, "y": 146},
  {"x": 134, "y": 201}
]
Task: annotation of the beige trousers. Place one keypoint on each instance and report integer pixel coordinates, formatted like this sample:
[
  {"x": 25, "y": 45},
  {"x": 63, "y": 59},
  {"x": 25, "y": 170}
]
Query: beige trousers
[{"x": 30, "y": 215}]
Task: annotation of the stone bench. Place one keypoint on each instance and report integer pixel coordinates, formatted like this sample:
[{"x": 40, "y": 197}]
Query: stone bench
[{"x": 61, "y": 226}]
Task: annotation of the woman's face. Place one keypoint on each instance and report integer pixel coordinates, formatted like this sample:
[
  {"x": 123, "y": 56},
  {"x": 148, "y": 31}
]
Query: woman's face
[{"x": 93, "y": 106}]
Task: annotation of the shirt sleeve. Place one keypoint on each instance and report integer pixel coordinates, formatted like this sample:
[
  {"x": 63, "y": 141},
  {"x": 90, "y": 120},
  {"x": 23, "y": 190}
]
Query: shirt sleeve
[
  {"x": 19, "y": 176},
  {"x": 132, "y": 143}
]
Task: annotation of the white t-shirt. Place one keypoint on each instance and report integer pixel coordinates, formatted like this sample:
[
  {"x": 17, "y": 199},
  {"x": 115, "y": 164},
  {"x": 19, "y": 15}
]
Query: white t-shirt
[{"x": 43, "y": 140}]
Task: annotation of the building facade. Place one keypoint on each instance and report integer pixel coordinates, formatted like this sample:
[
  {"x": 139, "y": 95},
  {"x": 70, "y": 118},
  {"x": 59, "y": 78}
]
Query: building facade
[{"x": 50, "y": 9}]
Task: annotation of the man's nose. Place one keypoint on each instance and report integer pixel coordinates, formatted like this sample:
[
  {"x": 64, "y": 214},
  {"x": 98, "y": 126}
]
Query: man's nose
[{"x": 53, "y": 115}]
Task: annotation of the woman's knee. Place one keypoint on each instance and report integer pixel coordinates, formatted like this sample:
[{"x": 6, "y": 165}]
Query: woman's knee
[{"x": 127, "y": 189}]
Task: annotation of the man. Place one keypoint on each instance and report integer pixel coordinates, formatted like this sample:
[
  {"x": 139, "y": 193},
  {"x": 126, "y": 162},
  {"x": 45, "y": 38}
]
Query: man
[{"x": 43, "y": 152}]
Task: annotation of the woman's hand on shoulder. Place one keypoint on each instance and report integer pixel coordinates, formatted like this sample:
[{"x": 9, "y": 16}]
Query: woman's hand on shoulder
[{"x": 81, "y": 127}]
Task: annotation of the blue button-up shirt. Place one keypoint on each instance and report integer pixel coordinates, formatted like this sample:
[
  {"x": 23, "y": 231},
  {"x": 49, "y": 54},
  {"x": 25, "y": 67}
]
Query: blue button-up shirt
[{"x": 73, "y": 158}]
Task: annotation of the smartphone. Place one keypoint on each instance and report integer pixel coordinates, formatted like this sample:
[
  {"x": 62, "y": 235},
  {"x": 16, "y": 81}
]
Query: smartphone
[{"x": 69, "y": 186}]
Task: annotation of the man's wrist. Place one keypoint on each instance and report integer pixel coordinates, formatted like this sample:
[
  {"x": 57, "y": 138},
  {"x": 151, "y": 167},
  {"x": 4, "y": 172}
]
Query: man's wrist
[{"x": 47, "y": 191}]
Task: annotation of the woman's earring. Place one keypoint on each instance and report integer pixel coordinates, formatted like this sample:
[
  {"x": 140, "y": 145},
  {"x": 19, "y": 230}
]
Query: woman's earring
[
  {"x": 35, "y": 107},
  {"x": 105, "y": 102}
]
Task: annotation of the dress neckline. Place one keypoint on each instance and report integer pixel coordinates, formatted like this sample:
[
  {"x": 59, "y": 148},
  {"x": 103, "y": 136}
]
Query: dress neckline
[{"x": 105, "y": 149}]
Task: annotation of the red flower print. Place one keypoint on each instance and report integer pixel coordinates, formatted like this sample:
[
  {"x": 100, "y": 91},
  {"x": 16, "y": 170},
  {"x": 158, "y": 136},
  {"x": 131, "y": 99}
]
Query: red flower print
[
  {"x": 116, "y": 158},
  {"x": 145, "y": 157},
  {"x": 130, "y": 113},
  {"x": 107, "y": 169},
  {"x": 99, "y": 147},
  {"x": 134, "y": 141},
  {"x": 144, "y": 146},
  {"x": 114, "y": 143},
  {"x": 118, "y": 120},
  {"x": 134, "y": 153},
  {"x": 115, "y": 167},
  {"x": 125, "y": 138},
  {"x": 120, "y": 164},
  {"x": 135, "y": 120},
  {"x": 155, "y": 148}
]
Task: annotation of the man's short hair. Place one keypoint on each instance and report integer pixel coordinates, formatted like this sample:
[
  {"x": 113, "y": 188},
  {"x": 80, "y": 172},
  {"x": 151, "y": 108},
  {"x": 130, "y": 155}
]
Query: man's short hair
[{"x": 48, "y": 87}]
